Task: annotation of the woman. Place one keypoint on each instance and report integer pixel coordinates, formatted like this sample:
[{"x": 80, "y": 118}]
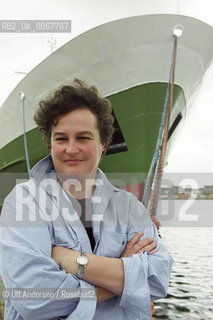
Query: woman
[{"x": 69, "y": 228}]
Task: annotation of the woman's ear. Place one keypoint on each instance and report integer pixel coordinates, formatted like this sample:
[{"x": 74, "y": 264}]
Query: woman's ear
[{"x": 103, "y": 147}]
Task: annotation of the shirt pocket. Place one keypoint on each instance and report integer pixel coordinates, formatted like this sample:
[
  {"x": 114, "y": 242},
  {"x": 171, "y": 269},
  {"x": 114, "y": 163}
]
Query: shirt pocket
[{"x": 112, "y": 244}]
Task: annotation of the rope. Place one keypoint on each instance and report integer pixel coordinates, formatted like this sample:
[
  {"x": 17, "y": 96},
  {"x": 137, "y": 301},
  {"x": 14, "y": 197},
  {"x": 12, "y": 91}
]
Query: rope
[
  {"x": 22, "y": 97},
  {"x": 157, "y": 165},
  {"x": 159, "y": 172}
]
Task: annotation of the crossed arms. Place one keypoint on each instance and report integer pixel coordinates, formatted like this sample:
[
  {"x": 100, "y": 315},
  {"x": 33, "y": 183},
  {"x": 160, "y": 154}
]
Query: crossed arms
[{"x": 107, "y": 274}]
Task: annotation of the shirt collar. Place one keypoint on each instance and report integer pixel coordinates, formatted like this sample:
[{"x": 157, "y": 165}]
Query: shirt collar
[{"x": 44, "y": 169}]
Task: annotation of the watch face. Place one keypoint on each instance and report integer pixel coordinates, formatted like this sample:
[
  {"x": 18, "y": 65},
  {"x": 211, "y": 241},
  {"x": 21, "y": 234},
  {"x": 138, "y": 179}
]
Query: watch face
[{"x": 82, "y": 260}]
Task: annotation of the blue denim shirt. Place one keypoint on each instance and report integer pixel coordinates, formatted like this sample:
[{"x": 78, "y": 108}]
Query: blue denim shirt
[{"x": 38, "y": 214}]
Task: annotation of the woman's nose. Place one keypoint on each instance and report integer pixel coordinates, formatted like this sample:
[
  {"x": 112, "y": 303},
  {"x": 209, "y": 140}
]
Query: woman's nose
[{"x": 72, "y": 147}]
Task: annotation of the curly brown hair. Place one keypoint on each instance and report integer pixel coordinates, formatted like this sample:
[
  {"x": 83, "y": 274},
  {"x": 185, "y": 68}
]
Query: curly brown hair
[{"x": 71, "y": 97}]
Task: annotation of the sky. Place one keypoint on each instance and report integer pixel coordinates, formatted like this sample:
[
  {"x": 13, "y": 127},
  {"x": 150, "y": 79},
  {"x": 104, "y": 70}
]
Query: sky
[{"x": 21, "y": 52}]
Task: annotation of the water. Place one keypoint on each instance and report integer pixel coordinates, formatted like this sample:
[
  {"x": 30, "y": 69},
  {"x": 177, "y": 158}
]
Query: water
[{"x": 190, "y": 294}]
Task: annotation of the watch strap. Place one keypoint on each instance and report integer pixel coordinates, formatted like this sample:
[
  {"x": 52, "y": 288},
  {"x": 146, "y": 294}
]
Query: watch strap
[{"x": 80, "y": 272}]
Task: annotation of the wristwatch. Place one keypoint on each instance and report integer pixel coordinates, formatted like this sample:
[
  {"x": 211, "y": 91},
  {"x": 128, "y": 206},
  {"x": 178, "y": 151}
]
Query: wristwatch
[{"x": 82, "y": 261}]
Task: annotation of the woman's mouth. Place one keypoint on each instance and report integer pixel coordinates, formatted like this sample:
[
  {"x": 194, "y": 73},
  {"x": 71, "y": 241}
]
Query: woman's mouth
[{"x": 73, "y": 162}]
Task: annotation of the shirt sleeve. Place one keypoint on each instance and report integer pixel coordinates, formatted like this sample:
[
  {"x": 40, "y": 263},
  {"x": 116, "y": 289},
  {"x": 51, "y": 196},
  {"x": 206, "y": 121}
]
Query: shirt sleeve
[
  {"x": 146, "y": 276},
  {"x": 26, "y": 263}
]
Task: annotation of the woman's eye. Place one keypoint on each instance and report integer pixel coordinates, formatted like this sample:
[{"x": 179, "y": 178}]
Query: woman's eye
[
  {"x": 83, "y": 138},
  {"x": 61, "y": 139}
]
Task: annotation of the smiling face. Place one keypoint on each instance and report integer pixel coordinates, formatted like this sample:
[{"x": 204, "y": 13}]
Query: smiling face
[{"x": 76, "y": 147}]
